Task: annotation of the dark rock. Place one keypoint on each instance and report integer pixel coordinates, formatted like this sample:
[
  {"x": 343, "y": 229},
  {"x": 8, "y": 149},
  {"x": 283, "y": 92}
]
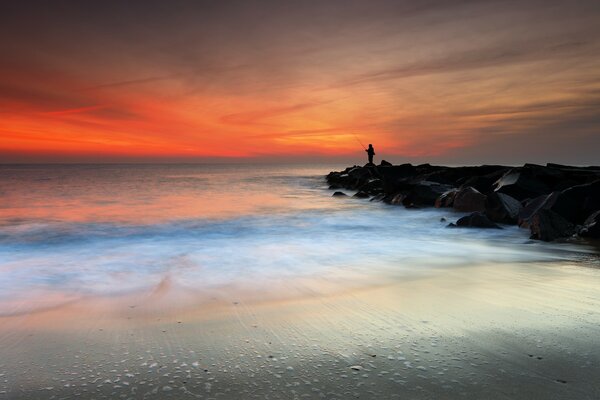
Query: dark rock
[
  {"x": 373, "y": 186},
  {"x": 339, "y": 194},
  {"x": 550, "y": 200},
  {"x": 574, "y": 204},
  {"x": 361, "y": 195},
  {"x": 547, "y": 225},
  {"x": 458, "y": 175},
  {"x": 446, "y": 199},
  {"x": 378, "y": 197},
  {"x": 391, "y": 176},
  {"x": 442, "y": 219},
  {"x": 522, "y": 183},
  {"x": 591, "y": 226},
  {"x": 352, "y": 177},
  {"x": 397, "y": 199},
  {"x": 543, "y": 202},
  {"x": 424, "y": 193},
  {"x": 578, "y": 202},
  {"x": 484, "y": 183},
  {"x": 476, "y": 220},
  {"x": 500, "y": 207},
  {"x": 568, "y": 167},
  {"x": 469, "y": 199}
]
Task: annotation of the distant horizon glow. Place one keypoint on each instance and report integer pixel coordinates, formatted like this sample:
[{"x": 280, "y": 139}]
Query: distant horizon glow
[{"x": 438, "y": 82}]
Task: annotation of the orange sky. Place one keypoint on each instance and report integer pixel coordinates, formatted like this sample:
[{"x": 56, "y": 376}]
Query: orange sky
[{"x": 439, "y": 82}]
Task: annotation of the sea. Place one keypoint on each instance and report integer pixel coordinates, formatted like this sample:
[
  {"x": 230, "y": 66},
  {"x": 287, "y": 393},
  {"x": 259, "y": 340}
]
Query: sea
[{"x": 77, "y": 231}]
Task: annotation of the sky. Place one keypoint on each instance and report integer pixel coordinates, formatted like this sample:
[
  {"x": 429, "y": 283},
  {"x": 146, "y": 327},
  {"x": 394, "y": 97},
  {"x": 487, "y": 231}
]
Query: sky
[{"x": 457, "y": 82}]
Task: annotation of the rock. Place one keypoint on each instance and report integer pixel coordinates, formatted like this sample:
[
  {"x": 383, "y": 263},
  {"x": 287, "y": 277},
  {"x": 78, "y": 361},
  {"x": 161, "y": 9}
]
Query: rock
[
  {"x": 547, "y": 225},
  {"x": 442, "y": 219},
  {"x": 568, "y": 167},
  {"x": 424, "y": 193},
  {"x": 469, "y": 199},
  {"x": 378, "y": 197},
  {"x": 574, "y": 204},
  {"x": 361, "y": 195},
  {"x": 591, "y": 226},
  {"x": 397, "y": 199},
  {"x": 352, "y": 177},
  {"x": 373, "y": 186},
  {"x": 500, "y": 207},
  {"x": 577, "y": 203},
  {"x": 476, "y": 220},
  {"x": 533, "y": 206},
  {"x": 446, "y": 199},
  {"x": 391, "y": 176},
  {"x": 522, "y": 183},
  {"x": 339, "y": 194},
  {"x": 550, "y": 200},
  {"x": 359, "y": 176},
  {"x": 484, "y": 183},
  {"x": 457, "y": 176}
]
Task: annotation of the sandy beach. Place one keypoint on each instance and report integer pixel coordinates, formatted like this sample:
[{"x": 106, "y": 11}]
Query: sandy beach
[{"x": 496, "y": 332}]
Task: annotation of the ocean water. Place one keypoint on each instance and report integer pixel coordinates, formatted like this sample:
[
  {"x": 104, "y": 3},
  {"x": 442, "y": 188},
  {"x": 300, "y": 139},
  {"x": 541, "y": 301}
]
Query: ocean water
[{"x": 75, "y": 231}]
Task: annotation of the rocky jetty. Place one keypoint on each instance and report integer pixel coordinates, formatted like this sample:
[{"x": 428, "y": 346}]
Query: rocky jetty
[{"x": 552, "y": 201}]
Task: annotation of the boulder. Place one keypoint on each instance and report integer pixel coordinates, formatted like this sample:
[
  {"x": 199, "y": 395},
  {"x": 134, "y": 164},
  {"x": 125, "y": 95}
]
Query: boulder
[
  {"x": 469, "y": 199},
  {"x": 547, "y": 225},
  {"x": 569, "y": 167},
  {"x": 339, "y": 194},
  {"x": 591, "y": 226},
  {"x": 578, "y": 202},
  {"x": 574, "y": 204},
  {"x": 424, "y": 193},
  {"x": 543, "y": 202},
  {"x": 456, "y": 176},
  {"x": 397, "y": 199},
  {"x": 446, "y": 199},
  {"x": 484, "y": 183},
  {"x": 339, "y": 179},
  {"x": 500, "y": 207},
  {"x": 361, "y": 195},
  {"x": 522, "y": 183},
  {"x": 359, "y": 176},
  {"x": 392, "y": 176},
  {"x": 384, "y": 163},
  {"x": 373, "y": 186},
  {"x": 378, "y": 197},
  {"x": 476, "y": 220}
]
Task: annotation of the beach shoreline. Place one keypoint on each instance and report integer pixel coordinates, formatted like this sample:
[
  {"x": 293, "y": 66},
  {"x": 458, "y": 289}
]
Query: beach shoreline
[{"x": 497, "y": 331}]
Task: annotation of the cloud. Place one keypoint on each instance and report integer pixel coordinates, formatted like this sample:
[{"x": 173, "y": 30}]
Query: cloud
[
  {"x": 476, "y": 58},
  {"x": 256, "y": 117}
]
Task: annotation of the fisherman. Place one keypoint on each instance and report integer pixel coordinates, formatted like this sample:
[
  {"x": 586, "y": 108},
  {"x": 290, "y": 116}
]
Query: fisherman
[{"x": 370, "y": 152}]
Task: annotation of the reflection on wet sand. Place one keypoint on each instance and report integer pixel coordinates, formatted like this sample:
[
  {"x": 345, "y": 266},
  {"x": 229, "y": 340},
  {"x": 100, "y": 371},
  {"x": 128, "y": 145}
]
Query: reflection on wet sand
[{"x": 487, "y": 331}]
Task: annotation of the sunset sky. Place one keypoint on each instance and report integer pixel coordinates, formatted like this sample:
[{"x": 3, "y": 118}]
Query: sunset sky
[{"x": 434, "y": 81}]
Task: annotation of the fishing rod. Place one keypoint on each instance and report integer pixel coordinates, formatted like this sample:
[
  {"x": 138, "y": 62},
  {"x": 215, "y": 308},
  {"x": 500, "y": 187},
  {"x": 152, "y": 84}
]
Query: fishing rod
[{"x": 358, "y": 140}]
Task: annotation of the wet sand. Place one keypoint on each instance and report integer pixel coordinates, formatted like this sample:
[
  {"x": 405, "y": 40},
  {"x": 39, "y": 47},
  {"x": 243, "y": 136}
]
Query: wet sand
[{"x": 503, "y": 331}]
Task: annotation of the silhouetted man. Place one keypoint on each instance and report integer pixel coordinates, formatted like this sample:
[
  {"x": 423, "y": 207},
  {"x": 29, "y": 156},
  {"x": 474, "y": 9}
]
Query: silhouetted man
[{"x": 370, "y": 152}]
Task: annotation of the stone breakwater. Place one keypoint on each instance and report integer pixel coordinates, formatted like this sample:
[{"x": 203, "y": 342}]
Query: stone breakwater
[{"x": 552, "y": 201}]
